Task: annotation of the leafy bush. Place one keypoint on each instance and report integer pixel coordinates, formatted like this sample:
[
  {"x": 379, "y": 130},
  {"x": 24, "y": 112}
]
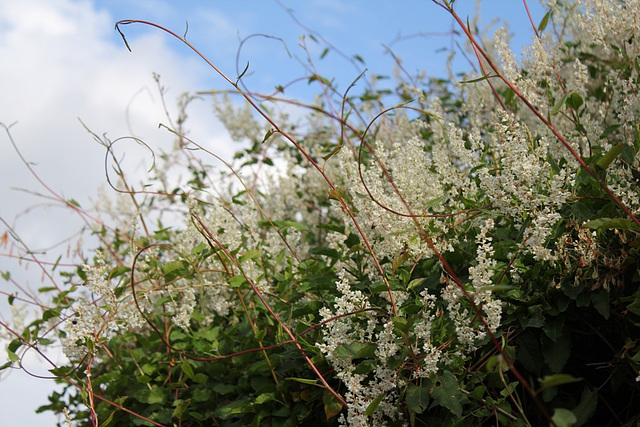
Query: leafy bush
[{"x": 467, "y": 255}]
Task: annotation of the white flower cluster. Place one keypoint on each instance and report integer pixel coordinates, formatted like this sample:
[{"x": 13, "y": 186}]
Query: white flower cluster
[
  {"x": 344, "y": 328},
  {"x": 183, "y": 301},
  {"x": 82, "y": 330},
  {"x": 96, "y": 278}
]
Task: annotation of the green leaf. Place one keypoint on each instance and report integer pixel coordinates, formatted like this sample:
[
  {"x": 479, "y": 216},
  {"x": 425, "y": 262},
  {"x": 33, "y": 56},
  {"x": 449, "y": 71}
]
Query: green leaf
[
  {"x": 417, "y": 398},
  {"x": 534, "y": 318},
  {"x": 119, "y": 271},
  {"x": 366, "y": 366},
  {"x": 188, "y": 370},
  {"x": 416, "y": 282},
  {"x": 612, "y": 223},
  {"x": 558, "y": 106},
  {"x": 73, "y": 202},
  {"x": 243, "y": 72},
  {"x": 400, "y": 324},
  {"x": 557, "y": 353},
  {"x": 529, "y": 352},
  {"x": 303, "y": 380},
  {"x": 479, "y": 79},
  {"x": 563, "y": 417},
  {"x": 6, "y": 275},
  {"x": 50, "y": 314},
  {"x": 587, "y": 405},
  {"x": 14, "y": 344},
  {"x": 223, "y": 389},
  {"x": 606, "y": 160},
  {"x": 250, "y": 254},
  {"x": 600, "y": 300},
  {"x": 268, "y": 135},
  {"x": 609, "y": 130},
  {"x": 328, "y": 252},
  {"x": 241, "y": 406},
  {"x": 509, "y": 96},
  {"x": 496, "y": 362},
  {"x": 634, "y": 307},
  {"x": 296, "y": 225},
  {"x": 264, "y": 397},
  {"x": 201, "y": 378},
  {"x": 174, "y": 266},
  {"x": 556, "y": 380},
  {"x": 373, "y": 406},
  {"x": 237, "y": 281},
  {"x": 448, "y": 394},
  {"x": 61, "y": 371},
  {"x": 574, "y": 101},
  {"x": 332, "y": 405},
  {"x": 12, "y": 356},
  {"x": 181, "y": 406},
  {"x": 355, "y": 350},
  {"x": 333, "y": 152},
  {"x": 544, "y": 22}
]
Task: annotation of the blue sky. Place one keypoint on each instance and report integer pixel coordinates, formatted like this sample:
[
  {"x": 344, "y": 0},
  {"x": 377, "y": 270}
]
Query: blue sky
[{"x": 62, "y": 60}]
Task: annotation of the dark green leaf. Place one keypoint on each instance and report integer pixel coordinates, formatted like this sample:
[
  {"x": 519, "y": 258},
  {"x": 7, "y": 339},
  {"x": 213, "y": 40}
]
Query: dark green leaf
[
  {"x": 608, "y": 131},
  {"x": 328, "y": 252},
  {"x": 417, "y": 398},
  {"x": 366, "y": 366},
  {"x": 556, "y": 380},
  {"x": 119, "y": 271},
  {"x": 612, "y": 223},
  {"x": 529, "y": 352},
  {"x": 223, "y": 388},
  {"x": 600, "y": 300},
  {"x": 303, "y": 380},
  {"x": 587, "y": 406},
  {"x": 243, "y": 72},
  {"x": 61, "y": 371},
  {"x": 447, "y": 393},
  {"x": 544, "y": 22},
  {"x": 355, "y": 350},
  {"x": 373, "y": 406},
  {"x": 241, "y": 406},
  {"x": 268, "y": 135},
  {"x": 574, "y": 101},
  {"x": 556, "y": 353},
  {"x": 50, "y": 314}
]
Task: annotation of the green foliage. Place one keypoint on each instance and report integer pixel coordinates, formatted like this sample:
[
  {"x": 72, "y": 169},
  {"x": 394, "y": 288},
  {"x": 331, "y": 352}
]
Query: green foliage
[{"x": 468, "y": 257}]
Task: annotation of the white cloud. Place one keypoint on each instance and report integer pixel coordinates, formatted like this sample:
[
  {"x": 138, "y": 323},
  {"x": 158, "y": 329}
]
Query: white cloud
[{"x": 62, "y": 60}]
